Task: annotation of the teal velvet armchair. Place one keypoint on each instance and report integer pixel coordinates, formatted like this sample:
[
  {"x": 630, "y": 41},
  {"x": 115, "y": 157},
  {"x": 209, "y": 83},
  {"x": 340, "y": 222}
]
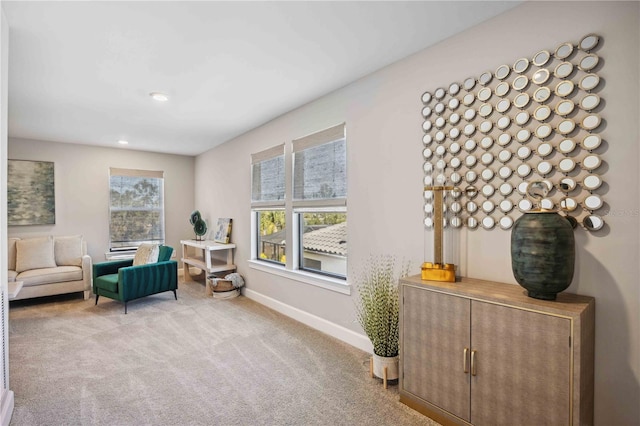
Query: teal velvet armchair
[{"x": 119, "y": 280}]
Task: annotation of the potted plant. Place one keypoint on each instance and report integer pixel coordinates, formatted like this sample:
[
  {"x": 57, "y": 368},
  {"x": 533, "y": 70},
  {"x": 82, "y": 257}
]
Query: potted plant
[{"x": 378, "y": 312}]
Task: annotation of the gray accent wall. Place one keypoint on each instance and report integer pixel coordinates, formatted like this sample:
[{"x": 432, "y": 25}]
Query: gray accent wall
[
  {"x": 82, "y": 189},
  {"x": 385, "y": 205}
]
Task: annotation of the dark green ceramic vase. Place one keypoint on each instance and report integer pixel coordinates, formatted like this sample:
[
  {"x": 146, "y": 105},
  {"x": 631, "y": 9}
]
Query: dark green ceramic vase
[{"x": 543, "y": 253}]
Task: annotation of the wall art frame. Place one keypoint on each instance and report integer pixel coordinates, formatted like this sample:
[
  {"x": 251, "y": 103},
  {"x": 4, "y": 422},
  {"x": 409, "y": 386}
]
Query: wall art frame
[
  {"x": 31, "y": 193},
  {"x": 223, "y": 230}
]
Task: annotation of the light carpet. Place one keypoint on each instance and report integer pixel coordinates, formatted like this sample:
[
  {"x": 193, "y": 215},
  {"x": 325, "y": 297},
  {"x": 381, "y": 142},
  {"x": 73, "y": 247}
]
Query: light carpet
[{"x": 194, "y": 361}]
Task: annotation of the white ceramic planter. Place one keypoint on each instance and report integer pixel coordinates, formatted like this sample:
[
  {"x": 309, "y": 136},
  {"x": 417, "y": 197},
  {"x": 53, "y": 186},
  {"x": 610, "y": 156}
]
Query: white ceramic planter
[{"x": 379, "y": 362}]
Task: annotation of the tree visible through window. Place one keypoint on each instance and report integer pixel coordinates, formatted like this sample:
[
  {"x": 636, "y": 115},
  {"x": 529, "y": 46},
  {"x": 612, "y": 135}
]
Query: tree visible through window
[
  {"x": 136, "y": 208},
  {"x": 272, "y": 235}
]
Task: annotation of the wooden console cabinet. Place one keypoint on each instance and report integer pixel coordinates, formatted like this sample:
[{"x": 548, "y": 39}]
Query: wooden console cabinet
[{"x": 484, "y": 353}]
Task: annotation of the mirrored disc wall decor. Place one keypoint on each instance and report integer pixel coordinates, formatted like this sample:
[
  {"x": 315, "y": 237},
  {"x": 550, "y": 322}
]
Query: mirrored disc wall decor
[{"x": 537, "y": 118}]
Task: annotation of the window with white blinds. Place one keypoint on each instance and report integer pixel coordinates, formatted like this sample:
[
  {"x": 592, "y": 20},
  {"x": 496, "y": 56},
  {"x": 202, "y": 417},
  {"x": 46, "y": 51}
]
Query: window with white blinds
[
  {"x": 136, "y": 208},
  {"x": 268, "y": 178},
  {"x": 299, "y": 204},
  {"x": 268, "y": 203},
  {"x": 319, "y": 201},
  {"x": 320, "y": 169}
]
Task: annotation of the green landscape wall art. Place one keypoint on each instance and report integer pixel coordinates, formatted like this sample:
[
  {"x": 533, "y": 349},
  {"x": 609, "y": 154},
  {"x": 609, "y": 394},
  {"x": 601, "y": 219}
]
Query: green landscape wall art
[{"x": 30, "y": 193}]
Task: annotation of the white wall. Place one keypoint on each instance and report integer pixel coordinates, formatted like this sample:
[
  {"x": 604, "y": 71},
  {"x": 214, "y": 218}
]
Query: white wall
[
  {"x": 382, "y": 112},
  {"x": 82, "y": 190},
  {"x": 6, "y": 395}
]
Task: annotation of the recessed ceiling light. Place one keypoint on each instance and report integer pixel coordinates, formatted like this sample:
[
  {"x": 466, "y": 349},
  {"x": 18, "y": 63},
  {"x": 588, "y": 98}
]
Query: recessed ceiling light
[
  {"x": 123, "y": 142},
  {"x": 160, "y": 97}
]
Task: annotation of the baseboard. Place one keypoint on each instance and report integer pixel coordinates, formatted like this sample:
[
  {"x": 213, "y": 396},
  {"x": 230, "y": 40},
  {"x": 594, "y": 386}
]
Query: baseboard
[
  {"x": 6, "y": 407},
  {"x": 339, "y": 332}
]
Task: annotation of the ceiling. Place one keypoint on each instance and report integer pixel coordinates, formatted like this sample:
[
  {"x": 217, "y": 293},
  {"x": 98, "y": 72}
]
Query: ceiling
[{"x": 81, "y": 72}]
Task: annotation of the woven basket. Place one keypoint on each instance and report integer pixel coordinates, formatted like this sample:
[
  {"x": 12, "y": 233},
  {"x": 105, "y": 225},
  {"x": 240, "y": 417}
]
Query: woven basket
[
  {"x": 223, "y": 285},
  {"x": 226, "y": 294}
]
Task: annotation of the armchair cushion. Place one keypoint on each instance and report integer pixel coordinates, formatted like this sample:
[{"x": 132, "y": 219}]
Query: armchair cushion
[
  {"x": 146, "y": 253},
  {"x": 165, "y": 253},
  {"x": 107, "y": 282}
]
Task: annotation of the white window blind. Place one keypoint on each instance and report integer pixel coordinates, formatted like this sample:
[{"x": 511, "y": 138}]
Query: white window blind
[
  {"x": 320, "y": 169},
  {"x": 136, "y": 208},
  {"x": 268, "y": 178}
]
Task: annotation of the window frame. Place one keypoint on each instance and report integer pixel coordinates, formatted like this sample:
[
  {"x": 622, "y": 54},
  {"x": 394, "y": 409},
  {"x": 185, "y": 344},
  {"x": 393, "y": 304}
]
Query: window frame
[
  {"x": 293, "y": 267},
  {"x": 298, "y": 213},
  {"x": 144, "y": 174},
  {"x": 256, "y": 245},
  {"x": 260, "y": 204}
]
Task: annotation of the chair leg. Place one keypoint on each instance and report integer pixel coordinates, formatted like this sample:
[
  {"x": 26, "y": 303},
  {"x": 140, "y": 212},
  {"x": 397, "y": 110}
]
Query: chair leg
[
  {"x": 97, "y": 296},
  {"x": 125, "y": 308},
  {"x": 175, "y": 294}
]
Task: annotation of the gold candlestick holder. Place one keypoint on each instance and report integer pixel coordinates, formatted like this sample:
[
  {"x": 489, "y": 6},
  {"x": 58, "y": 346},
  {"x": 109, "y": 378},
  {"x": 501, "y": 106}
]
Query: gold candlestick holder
[{"x": 438, "y": 270}]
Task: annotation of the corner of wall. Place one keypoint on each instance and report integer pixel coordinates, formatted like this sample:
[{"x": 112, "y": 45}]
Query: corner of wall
[{"x": 6, "y": 397}]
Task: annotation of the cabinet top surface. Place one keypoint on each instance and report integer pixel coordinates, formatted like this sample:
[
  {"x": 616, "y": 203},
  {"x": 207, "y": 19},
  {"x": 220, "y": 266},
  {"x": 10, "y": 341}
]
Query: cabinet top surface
[
  {"x": 512, "y": 294},
  {"x": 208, "y": 244}
]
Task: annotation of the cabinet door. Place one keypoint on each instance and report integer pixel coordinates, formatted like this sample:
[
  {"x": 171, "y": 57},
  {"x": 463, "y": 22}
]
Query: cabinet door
[
  {"x": 435, "y": 334},
  {"x": 523, "y": 367}
]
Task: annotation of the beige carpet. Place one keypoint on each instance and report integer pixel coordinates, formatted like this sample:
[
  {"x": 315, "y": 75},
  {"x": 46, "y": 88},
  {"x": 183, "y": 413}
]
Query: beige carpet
[{"x": 194, "y": 361}]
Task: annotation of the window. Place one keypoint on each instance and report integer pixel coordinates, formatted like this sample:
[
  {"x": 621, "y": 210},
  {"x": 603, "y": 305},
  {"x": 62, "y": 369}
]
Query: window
[
  {"x": 136, "y": 208},
  {"x": 272, "y": 236},
  {"x": 306, "y": 208},
  {"x": 324, "y": 243},
  {"x": 267, "y": 177},
  {"x": 319, "y": 201},
  {"x": 268, "y": 202}
]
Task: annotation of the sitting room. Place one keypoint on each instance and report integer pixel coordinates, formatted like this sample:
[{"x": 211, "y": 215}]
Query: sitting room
[{"x": 177, "y": 177}]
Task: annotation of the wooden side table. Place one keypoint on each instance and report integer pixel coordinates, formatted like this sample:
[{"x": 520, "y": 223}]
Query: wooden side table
[{"x": 202, "y": 255}]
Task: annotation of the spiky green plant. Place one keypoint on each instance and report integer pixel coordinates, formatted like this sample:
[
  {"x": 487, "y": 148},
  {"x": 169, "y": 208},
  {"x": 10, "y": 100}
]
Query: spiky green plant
[{"x": 378, "y": 306}]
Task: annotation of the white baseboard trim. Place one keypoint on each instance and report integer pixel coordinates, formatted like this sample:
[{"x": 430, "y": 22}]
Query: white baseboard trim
[
  {"x": 339, "y": 332},
  {"x": 6, "y": 407}
]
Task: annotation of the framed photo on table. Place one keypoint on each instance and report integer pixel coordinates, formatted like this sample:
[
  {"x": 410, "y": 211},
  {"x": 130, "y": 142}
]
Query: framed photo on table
[{"x": 223, "y": 231}]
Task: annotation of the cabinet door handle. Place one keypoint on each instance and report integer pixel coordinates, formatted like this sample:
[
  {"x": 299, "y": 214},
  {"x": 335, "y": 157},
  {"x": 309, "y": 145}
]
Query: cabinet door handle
[
  {"x": 473, "y": 363},
  {"x": 465, "y": 368}
]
